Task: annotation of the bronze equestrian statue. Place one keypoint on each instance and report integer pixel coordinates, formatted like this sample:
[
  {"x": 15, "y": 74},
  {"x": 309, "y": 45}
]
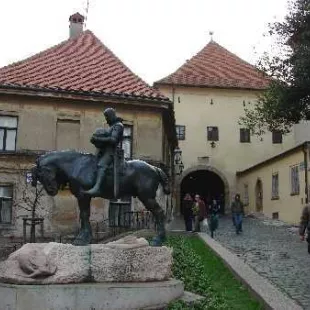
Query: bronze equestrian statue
[{"x": 89, "y": 175}]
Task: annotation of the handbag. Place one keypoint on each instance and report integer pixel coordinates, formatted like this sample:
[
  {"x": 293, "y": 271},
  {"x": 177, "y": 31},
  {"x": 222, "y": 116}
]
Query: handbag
[{"x": 204, "y": 225}]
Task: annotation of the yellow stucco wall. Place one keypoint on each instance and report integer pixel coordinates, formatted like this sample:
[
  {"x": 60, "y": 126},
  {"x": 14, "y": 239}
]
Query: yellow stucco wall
[
  {"x": 288, "y": 206},
  {"x": 37, "y": 130},
  {"x": 37, "y": 119},
  {"x": 193, "y": 109}
]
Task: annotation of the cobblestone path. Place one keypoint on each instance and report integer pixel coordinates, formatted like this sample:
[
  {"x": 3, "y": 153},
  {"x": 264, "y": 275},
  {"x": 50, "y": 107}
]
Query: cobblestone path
[{"x": 274, "y": 251}]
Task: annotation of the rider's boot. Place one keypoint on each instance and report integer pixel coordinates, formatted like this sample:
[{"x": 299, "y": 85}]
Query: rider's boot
[{"x": 97, "y": 187}]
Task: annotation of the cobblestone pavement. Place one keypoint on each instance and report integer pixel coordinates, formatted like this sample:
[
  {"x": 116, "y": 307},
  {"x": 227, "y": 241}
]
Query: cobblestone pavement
[{"x": 273, "y": 250}]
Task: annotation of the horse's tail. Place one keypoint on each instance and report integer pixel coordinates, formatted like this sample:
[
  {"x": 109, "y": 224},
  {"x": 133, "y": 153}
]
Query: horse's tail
[{"x": 164, "y": 181}]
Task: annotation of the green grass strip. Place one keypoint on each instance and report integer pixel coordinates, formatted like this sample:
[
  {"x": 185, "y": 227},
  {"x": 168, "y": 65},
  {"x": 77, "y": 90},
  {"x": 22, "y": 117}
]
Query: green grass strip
[{"x": 203, "y": 273}]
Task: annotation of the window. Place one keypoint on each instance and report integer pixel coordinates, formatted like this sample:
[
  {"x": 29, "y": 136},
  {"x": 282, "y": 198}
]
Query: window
[
  {"x": 6, "y": 202},
  {"x": 212, "y": 133},
  {"x": 180, "y": 130},
  {"x": 68, "y": 134},
  {"x": 276, "y": 137},
  {"x": 294, "y": 180},
  {"x": 8, "y": 130},
  {"x": 275, "y": 186},
  {"x": 245, "y": 136},
  {"x": 127, "y": 141},
  {"x": 246, "y": 194}
]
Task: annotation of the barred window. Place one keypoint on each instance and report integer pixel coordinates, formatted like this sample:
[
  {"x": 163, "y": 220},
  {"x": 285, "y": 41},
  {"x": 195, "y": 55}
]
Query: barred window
[
  {"x": 8, "y": 133},
  {"x": 294, "y": 180},
  {"x": 6, "y": 202},
  {"x": 245, "y": 136},
  {"x": 127, "y": 141},
  {"x": 212, "y": 133},
  {"x": 275, "y": 186},
  {"x": 180, "y": 131}
]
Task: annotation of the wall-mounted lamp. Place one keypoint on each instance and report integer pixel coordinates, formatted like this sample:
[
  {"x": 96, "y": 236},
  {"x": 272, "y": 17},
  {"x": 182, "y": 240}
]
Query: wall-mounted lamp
[
  {"x": 178, "y": 161},
  {"x": 213, "y": 144},
  {"x": 177, "y": 156}
]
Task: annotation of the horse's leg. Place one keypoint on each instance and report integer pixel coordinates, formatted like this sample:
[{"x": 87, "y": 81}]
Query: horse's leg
[
  {"x": 152, "y": 205},
  {"x": 85, "y": 235}
]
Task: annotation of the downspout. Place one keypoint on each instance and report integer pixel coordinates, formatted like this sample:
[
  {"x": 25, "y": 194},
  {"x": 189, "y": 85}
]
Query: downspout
[
  {"x": 173, "y": 168},
  {"x": 306, "y": 150}
]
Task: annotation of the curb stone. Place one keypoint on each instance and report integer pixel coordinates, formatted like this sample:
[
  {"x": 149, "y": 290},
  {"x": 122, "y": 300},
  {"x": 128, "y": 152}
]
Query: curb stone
[{"x": 268, "y": 294}]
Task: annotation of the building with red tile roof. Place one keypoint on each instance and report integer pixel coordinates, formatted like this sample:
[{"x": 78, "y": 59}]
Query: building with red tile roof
[
  {"x": 210, "y": 93},
  {"x": 54, "y": 101}
]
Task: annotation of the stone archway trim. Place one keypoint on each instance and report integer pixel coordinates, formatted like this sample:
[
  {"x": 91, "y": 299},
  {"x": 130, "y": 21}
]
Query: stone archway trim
[{"x": 199, "y": 168}]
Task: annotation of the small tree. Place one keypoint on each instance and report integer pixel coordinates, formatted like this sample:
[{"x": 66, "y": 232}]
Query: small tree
[
  {"x": 287, "y": 100},
  {"x": 29, "y": 199}
]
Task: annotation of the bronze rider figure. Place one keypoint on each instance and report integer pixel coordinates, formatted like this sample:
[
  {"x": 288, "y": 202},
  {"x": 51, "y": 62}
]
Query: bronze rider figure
[{"x": 106, "y": 141}]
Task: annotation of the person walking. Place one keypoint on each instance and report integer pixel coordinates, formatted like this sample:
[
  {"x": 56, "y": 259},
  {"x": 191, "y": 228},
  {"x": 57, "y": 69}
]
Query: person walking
[
  {"x": 304, "y": 226},
  {"x": 199, "y": 211},
  {"x": 212, "y": 214},
  {"x": 188, "y": 211},
  {"x": 237, "y": 210}
]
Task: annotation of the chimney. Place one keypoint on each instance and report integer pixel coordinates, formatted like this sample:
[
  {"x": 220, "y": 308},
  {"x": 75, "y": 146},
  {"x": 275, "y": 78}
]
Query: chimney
[{"x": 76, "y": 25}]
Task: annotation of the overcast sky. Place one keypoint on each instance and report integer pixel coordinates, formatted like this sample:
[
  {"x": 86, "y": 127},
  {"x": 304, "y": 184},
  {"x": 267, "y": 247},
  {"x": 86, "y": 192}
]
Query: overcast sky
[{"x": 152, "y": 37}]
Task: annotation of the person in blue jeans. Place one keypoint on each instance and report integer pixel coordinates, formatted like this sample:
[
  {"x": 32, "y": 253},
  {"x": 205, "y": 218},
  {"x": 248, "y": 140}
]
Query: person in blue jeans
[{"x": 237, "y": 210}]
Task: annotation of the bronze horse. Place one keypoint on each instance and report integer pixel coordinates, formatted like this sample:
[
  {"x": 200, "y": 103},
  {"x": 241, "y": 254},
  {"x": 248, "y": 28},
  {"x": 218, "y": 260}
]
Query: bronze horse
[{"x": 78, "y": 170}]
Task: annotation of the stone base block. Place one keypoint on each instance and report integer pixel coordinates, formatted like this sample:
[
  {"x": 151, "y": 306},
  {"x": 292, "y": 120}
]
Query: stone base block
[
  {"x": 86, "y": 296},
  {"x": 126, "y": 260}
]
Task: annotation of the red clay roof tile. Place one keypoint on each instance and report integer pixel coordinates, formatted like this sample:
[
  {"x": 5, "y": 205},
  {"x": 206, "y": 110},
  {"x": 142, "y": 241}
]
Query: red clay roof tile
[
  {"x": 80, "y": 64},
  {"x": 214, "y": 66}
]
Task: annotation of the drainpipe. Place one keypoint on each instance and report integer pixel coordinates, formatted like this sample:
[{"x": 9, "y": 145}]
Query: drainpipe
[
  {"x": 305, "y": 150},
  {"x": 173, "y": 94}
]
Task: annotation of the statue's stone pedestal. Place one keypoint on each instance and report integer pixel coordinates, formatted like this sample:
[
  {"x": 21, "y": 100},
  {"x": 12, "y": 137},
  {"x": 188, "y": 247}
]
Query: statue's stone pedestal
[
  {"x": 125, "y": 274},
  {"x": 85, "y": 296},
  {"x": 125, "y": 260}
]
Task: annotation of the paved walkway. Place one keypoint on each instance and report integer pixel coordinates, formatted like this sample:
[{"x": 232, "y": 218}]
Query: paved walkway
[{"x": 273, "y": 250}]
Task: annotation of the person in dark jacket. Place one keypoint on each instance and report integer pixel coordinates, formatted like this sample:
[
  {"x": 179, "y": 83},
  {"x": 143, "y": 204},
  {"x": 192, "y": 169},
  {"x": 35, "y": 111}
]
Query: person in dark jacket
[
  {"x": 237, "y": 211},
  {"x": 305, "y": 225},
  {"x": 188, "y": 212},
  {"x": 213, "y": 210}
]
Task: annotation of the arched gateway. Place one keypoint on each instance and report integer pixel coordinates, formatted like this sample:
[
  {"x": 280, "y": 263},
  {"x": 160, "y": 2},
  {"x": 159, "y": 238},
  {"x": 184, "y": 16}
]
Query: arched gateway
[{"x": 207, "y": 181}]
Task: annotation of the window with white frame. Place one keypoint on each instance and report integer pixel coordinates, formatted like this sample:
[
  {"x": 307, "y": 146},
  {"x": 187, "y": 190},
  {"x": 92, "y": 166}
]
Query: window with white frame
[
  {"x": 8, "y": 133},
  {"x": 246, "y": 194},
  {"x": 275, "y": 186},
  {"x": 294, "y": 174},
  {"x": 127, "y": 141},
  {"x": 6, "y": 202}
]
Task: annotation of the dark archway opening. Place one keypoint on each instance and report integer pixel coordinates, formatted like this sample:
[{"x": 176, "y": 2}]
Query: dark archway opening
[{"x": 207, "y": 184}]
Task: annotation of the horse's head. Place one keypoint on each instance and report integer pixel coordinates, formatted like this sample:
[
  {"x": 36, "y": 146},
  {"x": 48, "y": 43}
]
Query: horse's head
[{"x": 46, "y": 174}]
